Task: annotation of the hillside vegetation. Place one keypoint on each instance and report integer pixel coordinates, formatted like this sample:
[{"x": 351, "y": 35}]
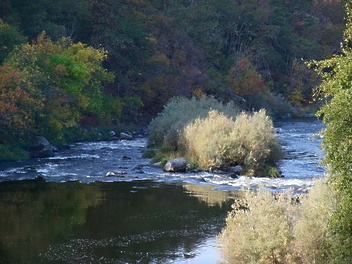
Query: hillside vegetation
[{"x": 68, "y": 64}]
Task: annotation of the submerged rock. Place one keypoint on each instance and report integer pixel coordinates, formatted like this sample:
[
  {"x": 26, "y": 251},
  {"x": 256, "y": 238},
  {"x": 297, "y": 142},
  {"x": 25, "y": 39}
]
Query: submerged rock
[
  {"x": 115, "y": 173},
  {"x": 176, "y": 165}
]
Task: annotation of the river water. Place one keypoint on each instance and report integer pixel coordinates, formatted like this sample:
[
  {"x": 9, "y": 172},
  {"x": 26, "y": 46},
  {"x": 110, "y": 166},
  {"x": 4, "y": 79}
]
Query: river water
[{"x": 65, "y": 210}]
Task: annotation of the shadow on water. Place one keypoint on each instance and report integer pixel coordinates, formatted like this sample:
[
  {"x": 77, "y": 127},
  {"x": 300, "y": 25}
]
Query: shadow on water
[{"x": 117, "y": 222}]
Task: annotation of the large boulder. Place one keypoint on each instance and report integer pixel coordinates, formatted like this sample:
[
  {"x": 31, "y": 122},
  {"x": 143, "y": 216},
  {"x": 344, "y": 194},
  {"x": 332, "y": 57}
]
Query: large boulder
[
  {"x": 176, "y": 165},
  {"x": 41, "y": 148}
]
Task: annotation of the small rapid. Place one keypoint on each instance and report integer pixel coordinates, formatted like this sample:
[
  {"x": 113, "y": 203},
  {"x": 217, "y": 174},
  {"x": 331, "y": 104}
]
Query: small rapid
[
  {"x": 65, "y": 210},
  {"x": 90, "y": 161}
]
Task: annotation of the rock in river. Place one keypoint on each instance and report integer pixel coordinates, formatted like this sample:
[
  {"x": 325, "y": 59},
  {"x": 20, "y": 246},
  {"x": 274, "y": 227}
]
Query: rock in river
[
  {"x": 41, "y": 148},
  {"x": 124, "y": 135},
  {"x": 176, "y": 165}
]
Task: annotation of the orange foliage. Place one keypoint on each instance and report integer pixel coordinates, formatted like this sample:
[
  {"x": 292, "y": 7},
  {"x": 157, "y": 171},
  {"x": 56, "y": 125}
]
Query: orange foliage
[
  {"x": 16, "y": 106},
  {"x": 246, "y": 80}
]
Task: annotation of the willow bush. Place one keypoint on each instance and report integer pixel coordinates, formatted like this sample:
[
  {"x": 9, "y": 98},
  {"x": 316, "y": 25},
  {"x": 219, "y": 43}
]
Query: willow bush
[
  {"x": 312, "y": 240},
  {"x": 213, "y": 135},
  {"x": 167, "y": 127},
  {"x": 258, "y": 230},
  {"x": 267, "y": 228},
  {"x": 219, "y": 141}
]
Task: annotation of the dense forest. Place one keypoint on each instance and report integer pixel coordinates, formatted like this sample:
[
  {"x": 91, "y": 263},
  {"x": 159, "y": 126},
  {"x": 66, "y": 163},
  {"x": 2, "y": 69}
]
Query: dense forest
[{"x": 68, "y": 64}]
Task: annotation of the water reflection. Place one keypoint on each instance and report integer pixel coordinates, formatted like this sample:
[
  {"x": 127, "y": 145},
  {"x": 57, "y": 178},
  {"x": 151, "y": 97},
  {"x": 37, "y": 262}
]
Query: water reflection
[{"x": 118, "y": 222}]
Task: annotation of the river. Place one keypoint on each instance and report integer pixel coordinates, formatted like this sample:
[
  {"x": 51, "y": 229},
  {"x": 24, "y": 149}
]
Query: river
[{"x": 65, "y": 210}]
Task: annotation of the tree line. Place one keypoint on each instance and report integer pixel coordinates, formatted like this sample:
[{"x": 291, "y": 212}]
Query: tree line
[{"x": 88, "y": 62}]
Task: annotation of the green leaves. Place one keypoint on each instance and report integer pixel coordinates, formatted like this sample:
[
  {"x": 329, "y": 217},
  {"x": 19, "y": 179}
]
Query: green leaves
[
  {"x": 67, "y": 77},
  {"x": 9, "y": 37},
  {"x": 337, "y": 88}
]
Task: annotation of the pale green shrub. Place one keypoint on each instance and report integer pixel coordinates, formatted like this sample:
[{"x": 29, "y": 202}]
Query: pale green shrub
[
  {"x": 267, "y": 228},
  {"x": 167, "y": 127},
  {"x": 311, "y": 238},
  {"x": 258, "y": 230},
  {"x": 205, "y": 138},
  {"x": 253, "y": 141},
  {"x": 218, "y": 141}
]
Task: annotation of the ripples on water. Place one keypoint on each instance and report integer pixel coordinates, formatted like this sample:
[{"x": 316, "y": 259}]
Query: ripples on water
[
  {"x": 90, "y": 161},
  {"x": 143, "y": 216}
]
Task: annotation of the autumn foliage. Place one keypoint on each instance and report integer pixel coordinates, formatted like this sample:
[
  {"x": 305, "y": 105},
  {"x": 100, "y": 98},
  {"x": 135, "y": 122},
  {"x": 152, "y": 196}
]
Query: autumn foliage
[
  {"x": 17, "y": 107},
  {"x": 246, "y": 80},
  {"x": 47, "y": 86}
]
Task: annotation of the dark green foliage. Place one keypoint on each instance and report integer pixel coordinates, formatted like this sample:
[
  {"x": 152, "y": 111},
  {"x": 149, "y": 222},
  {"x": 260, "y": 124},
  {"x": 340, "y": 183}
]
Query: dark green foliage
[
  {"x": 149, "y": 153},
  {"x": 160, "y": 49},
  {"x": 9, "y": 37},
  {"x": 10, "y": 153}
]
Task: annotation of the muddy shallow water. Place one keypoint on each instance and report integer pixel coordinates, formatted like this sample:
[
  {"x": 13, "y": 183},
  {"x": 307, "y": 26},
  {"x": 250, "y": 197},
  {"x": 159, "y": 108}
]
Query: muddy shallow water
[{"x": 64, "y": 210}]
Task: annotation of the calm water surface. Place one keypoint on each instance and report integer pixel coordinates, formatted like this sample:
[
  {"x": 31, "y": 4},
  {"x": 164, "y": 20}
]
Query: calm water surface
[{"x": 64, "y": 210}]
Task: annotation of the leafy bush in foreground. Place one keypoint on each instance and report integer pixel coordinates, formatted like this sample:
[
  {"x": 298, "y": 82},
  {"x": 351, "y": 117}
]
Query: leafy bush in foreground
[
  {"x": 266, "y": 228},
  {"x": 258, "y": 230},
  {"x": 312, "y": 243}
]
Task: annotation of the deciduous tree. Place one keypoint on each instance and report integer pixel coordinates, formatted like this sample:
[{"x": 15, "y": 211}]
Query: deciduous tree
[
  {"x": 67, "y": 77},
  {"x": 337, "y": 115}
]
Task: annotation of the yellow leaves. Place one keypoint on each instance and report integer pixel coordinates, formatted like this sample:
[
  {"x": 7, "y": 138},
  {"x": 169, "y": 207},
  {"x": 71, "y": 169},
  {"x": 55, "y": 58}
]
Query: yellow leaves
[
  {"x": 198, "y": 92},
  {"x": 218, "y": 141},
  {"x": 82, "y": 52},
  {"x": 258, "y": 229},
  {"x": 44, "y": 44},
  {"x": 296, "y": 97}
]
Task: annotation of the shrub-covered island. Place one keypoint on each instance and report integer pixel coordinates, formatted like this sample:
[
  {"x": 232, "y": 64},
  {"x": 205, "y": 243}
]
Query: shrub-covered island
[{"x": 212, "y": 135}]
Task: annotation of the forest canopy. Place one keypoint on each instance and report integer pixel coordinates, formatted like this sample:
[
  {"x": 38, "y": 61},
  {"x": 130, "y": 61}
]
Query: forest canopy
[{"x": 88, "y": 62}]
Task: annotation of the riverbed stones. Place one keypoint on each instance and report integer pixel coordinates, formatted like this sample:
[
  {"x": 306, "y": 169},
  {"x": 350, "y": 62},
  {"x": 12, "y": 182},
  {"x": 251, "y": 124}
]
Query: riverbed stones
[
  {"x": 176, "y": 165},
  {"x": 115, "y": 173},
  {"x": 125, "y": 135},
  {"x": 41, "y": 148}
]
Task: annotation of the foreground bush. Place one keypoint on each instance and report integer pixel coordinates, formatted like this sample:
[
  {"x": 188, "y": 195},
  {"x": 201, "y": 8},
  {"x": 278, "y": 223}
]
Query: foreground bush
[
  {"x": 312, "y": 241},
  {"x": 258, "y": 230},
  {"x": 266, "y": 228}
]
